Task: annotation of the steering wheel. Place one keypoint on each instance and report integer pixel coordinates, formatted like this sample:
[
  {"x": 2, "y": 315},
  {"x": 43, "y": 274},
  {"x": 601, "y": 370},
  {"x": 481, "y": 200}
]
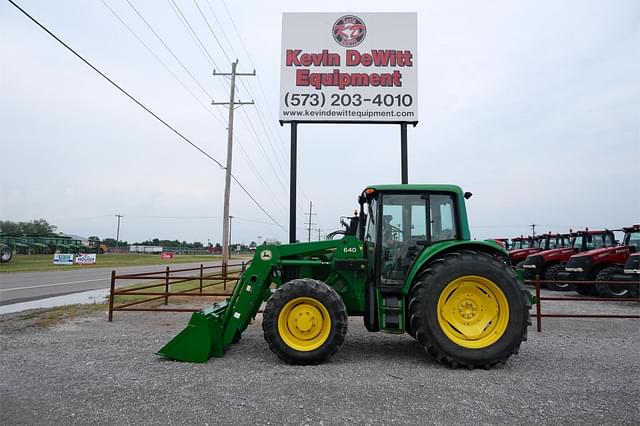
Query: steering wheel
[{"x": 392, "y": 227}]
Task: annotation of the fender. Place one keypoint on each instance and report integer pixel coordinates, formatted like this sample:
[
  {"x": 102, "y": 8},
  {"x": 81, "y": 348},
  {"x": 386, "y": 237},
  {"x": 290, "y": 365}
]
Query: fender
[{"x": 438, "y": 249}]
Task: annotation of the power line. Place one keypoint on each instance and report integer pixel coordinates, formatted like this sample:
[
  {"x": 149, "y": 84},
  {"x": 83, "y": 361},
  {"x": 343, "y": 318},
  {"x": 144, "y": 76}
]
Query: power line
[
  {"x": 145, "y": 108},
  {"x": 202, "y": 46},
  {"x": 166, "y": 47},
  {"x": 212, "y": 32},
  {"x": 164, "y": 65},
  {"x": 224, "y": 34}
]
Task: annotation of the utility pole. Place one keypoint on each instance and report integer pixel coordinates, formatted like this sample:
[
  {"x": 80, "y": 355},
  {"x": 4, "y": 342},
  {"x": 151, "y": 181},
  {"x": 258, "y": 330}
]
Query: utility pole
[
  {"x": 310, "y": 223},
  {"x": 533, "y": 229},
  {"x": 118, "y": 232},
  {"x": 318, "y": 234},
  {"x": 232, "y": 104}
]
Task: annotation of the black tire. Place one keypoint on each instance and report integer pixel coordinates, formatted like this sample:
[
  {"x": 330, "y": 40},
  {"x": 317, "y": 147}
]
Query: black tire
[
  {"x": 407, "y": 322},
  {"x": 615, "y": 291},
  {"x": 5, "y": 254},
  {"x": 551, "y": 275},
  {"x": 586, "y": 290},
  {"x": 323, "y": 294},
  {"x": 432, "y": 283}
]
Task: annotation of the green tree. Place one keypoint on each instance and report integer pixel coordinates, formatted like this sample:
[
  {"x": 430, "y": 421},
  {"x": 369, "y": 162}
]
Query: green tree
[{"x": 36, "y": 226}]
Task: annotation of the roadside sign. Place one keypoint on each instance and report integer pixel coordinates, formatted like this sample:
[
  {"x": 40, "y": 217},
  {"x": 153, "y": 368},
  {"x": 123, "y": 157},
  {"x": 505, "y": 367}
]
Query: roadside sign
[
  {"x": 166, "y": 255},
  {"x": 86, "y": 259},
  {"x": 357, "y": 67},
  {"x": 63, "y": 258}
]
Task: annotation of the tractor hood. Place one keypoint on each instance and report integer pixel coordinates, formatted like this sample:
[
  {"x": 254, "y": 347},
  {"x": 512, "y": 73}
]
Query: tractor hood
[
  {"x": 599, "y": 252},
  {"x": 557, "y": 254},
  {"x": 522, "y": 253}
]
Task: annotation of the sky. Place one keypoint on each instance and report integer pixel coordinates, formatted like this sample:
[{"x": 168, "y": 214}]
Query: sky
[{"x": 533, "y": 106}]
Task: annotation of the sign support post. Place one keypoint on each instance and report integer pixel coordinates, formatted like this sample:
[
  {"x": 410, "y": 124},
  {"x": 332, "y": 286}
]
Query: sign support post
[
  {"x": 293, "y": 182},
  {"x": 403, "y": 154}
]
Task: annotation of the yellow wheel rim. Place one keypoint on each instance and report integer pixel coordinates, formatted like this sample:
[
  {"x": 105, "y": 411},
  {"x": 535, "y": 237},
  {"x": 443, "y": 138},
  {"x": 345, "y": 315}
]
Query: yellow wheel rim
[
  {"x": 473, "y": 312},
  {"x": 304, "y": 324}
]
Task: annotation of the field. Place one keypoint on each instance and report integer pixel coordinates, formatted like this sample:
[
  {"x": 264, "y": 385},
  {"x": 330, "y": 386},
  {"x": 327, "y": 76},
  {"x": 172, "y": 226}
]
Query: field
[{"x": 44, "y": 262}]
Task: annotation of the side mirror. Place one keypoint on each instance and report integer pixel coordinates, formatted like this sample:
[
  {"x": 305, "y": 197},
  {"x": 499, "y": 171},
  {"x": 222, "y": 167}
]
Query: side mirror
[{"x": 467, "y": 195}]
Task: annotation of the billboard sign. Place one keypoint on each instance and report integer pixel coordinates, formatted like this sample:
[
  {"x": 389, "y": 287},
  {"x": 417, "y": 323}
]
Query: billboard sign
[{"x": 356, "y": 67}]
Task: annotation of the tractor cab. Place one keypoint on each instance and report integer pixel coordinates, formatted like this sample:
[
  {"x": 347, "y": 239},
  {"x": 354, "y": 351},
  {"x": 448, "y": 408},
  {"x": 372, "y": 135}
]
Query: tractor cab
[
  {"x": 556, "y": 241},
  {"x": 519, "y": 243},
  {"x": 632, "y": 237},
  {"x": 401, "y": 224},
  {"x": 589, "y": 240}
]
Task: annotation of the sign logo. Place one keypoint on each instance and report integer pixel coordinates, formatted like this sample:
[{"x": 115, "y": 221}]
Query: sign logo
[
  {"x": 349, "y": 31},
  {"x": 266, "y": 255}
]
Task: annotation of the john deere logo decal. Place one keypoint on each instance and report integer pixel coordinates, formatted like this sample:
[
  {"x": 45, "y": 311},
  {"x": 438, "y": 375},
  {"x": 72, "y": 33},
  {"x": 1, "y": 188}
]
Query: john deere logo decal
[
  {"x": 266, "y": 255},
  {"x": 349, "y": 31}
]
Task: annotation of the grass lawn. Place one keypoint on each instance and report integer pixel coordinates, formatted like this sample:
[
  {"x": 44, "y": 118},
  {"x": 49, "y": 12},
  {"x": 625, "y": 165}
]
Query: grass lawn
[{"x": 30, "y": 263}]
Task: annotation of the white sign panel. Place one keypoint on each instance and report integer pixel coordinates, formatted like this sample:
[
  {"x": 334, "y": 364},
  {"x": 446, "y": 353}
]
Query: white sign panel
[
  {"x": 63, "y": 258},
  {"x": 86, "y": 259},
  {"x": 356, "y": 67}
]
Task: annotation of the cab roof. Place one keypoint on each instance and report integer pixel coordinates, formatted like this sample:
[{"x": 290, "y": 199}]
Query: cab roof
[{"x": 417, "y": 187}]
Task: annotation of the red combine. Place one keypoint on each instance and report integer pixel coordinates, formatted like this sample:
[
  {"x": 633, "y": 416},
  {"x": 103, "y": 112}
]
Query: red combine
[
  {"x": 603, "y": 264},
  {"x": 548, "y": 263}
]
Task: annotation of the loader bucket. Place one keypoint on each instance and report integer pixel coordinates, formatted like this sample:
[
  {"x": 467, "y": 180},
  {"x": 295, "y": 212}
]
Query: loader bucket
[{"x": 201, "y": 339}]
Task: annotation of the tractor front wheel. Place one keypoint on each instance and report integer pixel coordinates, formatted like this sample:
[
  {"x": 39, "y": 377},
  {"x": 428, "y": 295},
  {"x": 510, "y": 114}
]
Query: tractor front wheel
[
  {"x": 305, "y": 322},
  {"x": 551, "y": 275},
  {"x": 616, "y": 291},
  {"x": 468, "y": 309}
]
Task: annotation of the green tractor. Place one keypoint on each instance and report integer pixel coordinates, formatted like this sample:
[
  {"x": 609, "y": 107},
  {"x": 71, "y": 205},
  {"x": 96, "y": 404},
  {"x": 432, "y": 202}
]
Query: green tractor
[{"x": 405, "y": 263}]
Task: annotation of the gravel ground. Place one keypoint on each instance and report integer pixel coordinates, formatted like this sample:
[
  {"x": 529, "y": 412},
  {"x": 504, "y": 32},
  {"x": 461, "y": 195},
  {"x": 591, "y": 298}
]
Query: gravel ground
[{"x": 88, "y": 371}]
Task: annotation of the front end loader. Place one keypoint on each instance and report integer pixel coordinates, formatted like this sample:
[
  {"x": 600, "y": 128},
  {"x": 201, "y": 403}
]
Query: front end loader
[{"x": 406, "y": 263}]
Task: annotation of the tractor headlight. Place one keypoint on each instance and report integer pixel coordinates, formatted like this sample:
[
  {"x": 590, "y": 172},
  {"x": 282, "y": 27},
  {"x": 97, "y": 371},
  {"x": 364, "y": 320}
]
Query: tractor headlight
[
  {"x": 525, "y": 266},
  {"x": 577, "y": 269}
]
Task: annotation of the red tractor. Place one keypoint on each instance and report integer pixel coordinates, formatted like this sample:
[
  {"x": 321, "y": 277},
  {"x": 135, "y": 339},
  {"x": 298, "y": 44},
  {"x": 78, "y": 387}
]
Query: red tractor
[
  {"x": 603, "y": 264},
  {"x": 521, "y": 247},
  {"x": 547, "y": 264}
]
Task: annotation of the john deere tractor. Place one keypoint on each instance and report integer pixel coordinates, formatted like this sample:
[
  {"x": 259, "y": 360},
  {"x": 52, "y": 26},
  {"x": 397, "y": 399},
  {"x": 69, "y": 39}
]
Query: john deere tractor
[{"x": 405, "y": 263}]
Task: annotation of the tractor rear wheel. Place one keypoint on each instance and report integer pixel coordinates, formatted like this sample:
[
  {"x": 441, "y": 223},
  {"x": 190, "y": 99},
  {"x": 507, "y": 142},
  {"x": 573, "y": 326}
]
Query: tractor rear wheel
[
  {"x": 305, "y": 322},
  {"x": 550, "y": 275},
  {"x": 469, "y": 309},
  {"x": 618, "y": 291}
]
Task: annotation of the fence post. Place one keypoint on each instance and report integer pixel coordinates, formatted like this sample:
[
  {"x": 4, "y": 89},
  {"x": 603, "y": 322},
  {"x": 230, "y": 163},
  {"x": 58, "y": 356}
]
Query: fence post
[
  {"x": 113, "y": 287},
  {"x": 201, "y": 272},
  {"x": 224, "y": 276},
  {"x": 538, "y": 307},
  {"x": 166, "y": 287}
]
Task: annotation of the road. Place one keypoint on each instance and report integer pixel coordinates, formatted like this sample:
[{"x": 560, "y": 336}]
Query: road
[{"x": 24, "y": 286}]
